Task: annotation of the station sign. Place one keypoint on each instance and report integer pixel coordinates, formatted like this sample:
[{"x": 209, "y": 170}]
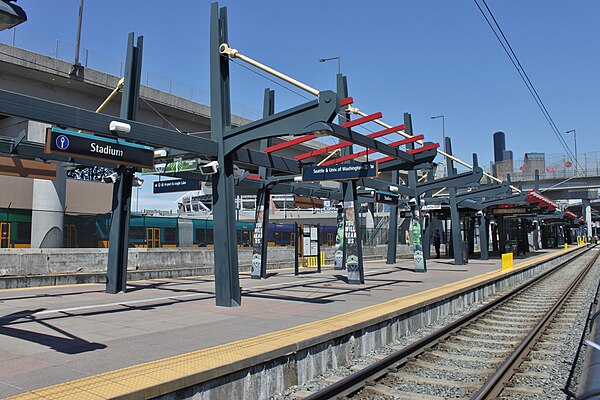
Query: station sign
[
  {"x": 118, "y": 151},
  {"x": 176, "y": 185},
  {"x": 341, "y": 172},
  {"x": 385, "y": 198}
]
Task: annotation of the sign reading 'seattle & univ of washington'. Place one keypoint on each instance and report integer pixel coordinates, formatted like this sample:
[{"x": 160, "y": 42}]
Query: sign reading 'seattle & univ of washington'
[
  {"x": 118, "y": 151},
  {"x": 312, "y": 173}
]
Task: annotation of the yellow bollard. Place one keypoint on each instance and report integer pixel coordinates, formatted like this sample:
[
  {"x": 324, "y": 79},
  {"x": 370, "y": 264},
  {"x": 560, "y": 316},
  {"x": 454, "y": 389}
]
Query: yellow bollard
[
  {"x": 566, "y": 246},
  {"x": 507, "y": 261}
]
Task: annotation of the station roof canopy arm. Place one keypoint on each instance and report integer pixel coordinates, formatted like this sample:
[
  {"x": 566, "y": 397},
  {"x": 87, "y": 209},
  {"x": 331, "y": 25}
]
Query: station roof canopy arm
[
  {"x": 63, "y": 115},
  {"x": 11, "y": 15},
  {"x": 340, "y": 131}
]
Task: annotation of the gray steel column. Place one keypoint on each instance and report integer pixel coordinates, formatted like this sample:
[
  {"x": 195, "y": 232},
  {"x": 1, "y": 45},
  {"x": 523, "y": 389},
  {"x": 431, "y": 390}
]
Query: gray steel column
[
  {"x": 501, "y": 235},
  {"x": 116, "y": 272},
  {"x": 393, "y": 228},
  {"x": 454, "y": 214},
  {"x": 412, "y": 184},
  {"x": 483, "y": 237},
  {"x": 227, "y": 285},
  {"x": 355, "y": 275},
  {"x": 265, "y": 173},
  {"x": 426, "y": 236},
  {"x": 352, "y": 250},
  {"x": 427, "y": 222}
]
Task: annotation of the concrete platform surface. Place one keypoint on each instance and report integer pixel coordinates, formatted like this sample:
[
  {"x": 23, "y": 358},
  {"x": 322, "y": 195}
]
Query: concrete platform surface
[{"x": 58, "y": 334}]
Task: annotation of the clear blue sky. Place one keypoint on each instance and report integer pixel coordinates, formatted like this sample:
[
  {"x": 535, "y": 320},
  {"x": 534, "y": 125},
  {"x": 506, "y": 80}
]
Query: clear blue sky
[{"x": 426, "y": 57}]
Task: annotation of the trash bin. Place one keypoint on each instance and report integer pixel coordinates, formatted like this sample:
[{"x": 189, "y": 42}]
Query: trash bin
[{"x": 465, "y": 252}]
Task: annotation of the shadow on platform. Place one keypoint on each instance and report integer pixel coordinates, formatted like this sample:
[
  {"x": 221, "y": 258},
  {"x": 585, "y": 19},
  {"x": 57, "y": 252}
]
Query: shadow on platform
[{"x": 67, "y": 343}]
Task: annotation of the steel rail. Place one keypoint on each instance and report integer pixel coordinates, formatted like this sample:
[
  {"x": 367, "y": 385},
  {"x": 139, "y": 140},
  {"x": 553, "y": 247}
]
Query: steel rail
[
  {"x": 225, "y": 50},
  {"x": 495, "y": 383},
  {"x": 355, "y": 382}
]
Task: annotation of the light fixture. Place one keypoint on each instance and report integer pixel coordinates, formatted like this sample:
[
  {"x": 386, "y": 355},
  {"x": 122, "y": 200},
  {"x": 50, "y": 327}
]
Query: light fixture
[
  {"x": 119, "y": 127},
  {"x": 11, "y": 15}
]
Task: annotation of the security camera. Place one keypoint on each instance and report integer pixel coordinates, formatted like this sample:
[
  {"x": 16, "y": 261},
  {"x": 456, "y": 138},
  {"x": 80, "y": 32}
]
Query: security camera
[
  {"x": 112, "y": 178},
  {"x": 393, "y": 189},
  {"x": 412, "y": 201},
  {"x": 119, "y": 127},
  {"x": 137, "y": 182},
  {"x": 479, "y": 213},
  {"x": 210, "y": 168}
]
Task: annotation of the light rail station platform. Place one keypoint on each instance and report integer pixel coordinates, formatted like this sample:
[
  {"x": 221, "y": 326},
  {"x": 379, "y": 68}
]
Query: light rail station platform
[{"x": 79, "y": 342}]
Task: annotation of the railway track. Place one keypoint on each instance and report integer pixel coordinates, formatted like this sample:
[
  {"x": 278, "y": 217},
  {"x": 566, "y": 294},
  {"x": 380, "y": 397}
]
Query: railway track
[{"x": 501, "y": 350}]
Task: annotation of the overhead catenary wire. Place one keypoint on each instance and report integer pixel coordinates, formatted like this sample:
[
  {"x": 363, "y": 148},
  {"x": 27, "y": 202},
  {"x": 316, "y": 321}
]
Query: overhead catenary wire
[
  {"x": 498, "y": 32},
  {"x": 232, "y": 53}
]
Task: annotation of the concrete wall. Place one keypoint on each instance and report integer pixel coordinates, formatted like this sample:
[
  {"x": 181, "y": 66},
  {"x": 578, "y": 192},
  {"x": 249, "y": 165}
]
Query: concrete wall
[{"x": 60, "y": 261}]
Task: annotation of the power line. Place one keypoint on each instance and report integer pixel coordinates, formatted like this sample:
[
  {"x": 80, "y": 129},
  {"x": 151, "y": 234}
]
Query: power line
[
  {"x": 560, "y": 137},
  {"x": 524, "y": 77}
]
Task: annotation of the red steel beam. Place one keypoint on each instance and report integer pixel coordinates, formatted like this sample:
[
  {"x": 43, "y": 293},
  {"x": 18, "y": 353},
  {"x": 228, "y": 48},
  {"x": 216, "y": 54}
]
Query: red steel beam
[
  {"x": 415, "y": 151},
  {"x": 346, "y": 144},
  {"x": 288, "y": 143},
  {"x": 410, "y": 140},
  {"x": 424, "y": 148},
  {"x": 384, "y": 159},
  {"x": 367, "y": 152},
  {"x": 348, "y": 157},
  {"x": 346, "y": 101},
  {"x": 362, "y": 120}
]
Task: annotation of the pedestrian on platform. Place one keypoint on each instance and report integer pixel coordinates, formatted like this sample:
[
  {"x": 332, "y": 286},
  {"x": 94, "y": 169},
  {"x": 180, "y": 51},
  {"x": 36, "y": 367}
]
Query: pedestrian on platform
[{"x": 437, "y": 241}]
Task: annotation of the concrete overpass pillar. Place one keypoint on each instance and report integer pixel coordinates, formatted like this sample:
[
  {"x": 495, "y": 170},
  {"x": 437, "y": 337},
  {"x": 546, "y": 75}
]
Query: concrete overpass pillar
[
  {"x": 586, "y": 211},
  {"x": 48, "y": 202}
]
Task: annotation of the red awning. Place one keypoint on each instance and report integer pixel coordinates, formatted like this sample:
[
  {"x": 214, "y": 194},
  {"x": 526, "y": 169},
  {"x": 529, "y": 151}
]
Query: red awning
[
  {"x": 570, "y": 215},
  {"x": 534, "y": 197}
]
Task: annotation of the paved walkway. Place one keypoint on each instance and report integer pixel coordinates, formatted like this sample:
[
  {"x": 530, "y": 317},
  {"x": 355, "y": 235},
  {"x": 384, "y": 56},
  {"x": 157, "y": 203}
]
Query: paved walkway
[{"x": 57, "y": 334}]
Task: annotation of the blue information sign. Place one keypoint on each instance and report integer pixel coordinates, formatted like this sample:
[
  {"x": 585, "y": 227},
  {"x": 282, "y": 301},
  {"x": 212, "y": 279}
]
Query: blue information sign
[
  {"x": 386, "y": 198},
  {"x": 176, "y": 185},
  {"x": 341, "y": 172},
  {"x": 93, "y": 147}
]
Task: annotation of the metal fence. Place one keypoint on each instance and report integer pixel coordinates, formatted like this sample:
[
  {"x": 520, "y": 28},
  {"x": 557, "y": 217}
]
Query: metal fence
[
  {"x": 21, "y": 38},
  {"x": 550, "y": 166}
]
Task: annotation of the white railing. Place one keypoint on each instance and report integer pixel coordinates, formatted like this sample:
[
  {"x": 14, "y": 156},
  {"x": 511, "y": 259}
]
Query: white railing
[
  {"x": 22, "y": 38},
  {"x": 550, "y": 166}
]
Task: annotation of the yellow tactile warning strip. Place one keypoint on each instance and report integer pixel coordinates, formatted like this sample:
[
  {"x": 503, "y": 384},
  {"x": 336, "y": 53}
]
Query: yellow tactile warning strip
[{"x": 170, "y": 374}]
